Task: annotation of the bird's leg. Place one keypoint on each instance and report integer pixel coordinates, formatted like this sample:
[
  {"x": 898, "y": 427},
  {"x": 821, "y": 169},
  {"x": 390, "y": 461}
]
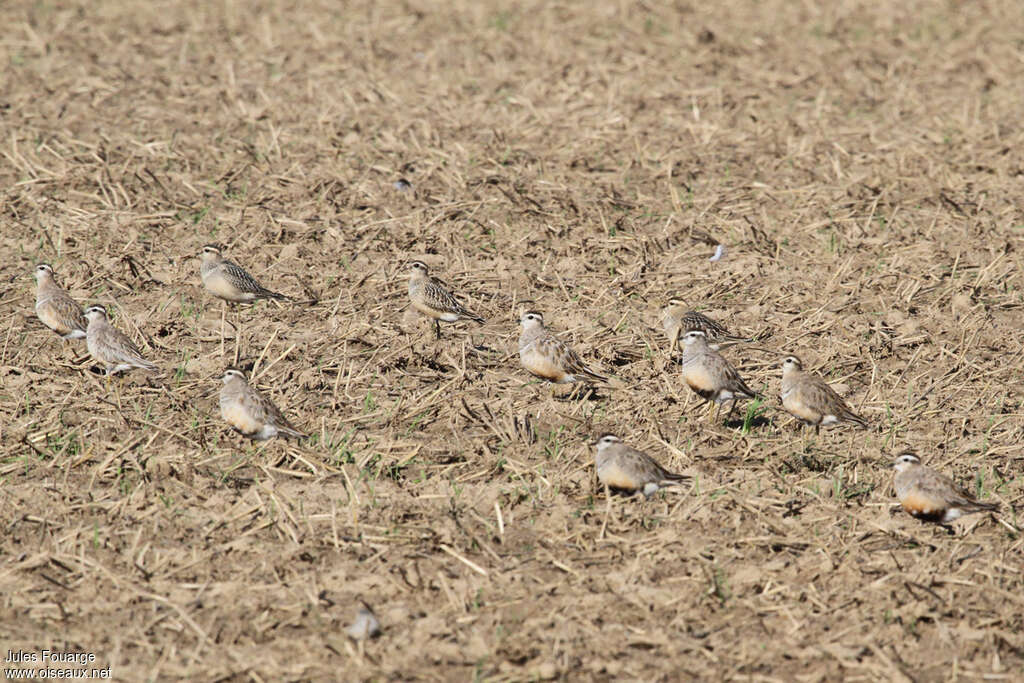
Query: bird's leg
[
  {"x": 673, "y": 340},
  {"x": 805, "y": 434},
  {"x": 607, "y": 510},
  {"x": 117, "y": 392},
  {"x": 65, "y": 345},
  {"x": 732, "y": 409},
  {"x": 223, "y": 320},
  {"x": 238, "y": 337},
  {"x": 437, "y": 330}
]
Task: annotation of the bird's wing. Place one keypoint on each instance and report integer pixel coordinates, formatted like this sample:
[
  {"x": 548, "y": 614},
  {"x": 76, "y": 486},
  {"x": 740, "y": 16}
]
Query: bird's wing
[
  {"x": 564, "y": 357},
  {"x": 692, "y": 320},
  {"x": 120, "y": 347},
  {"x": 935, "y": 485},
  {"x": 240, "y": 277},
  {"x": 651, "y": 468},
  {"x": 830, "y": 402},
  {"x": 270, "y": 413},
  {"x": 68, "y": 311},
  {"x": 818, "y": 396},
  {"x": 736, "y": 383},
  {"x": 826, "y": 395},
  {"x": 441, "y": 298}
]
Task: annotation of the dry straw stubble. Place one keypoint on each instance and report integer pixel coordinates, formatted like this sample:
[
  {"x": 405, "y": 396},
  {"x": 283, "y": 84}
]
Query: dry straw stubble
[{"x": 856, "y": 160}]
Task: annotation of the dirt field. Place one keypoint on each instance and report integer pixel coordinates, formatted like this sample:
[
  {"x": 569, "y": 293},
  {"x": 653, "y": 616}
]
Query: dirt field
[{"x": 861, "y": 163}]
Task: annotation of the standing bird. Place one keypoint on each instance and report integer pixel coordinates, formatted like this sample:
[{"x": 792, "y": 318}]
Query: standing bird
[
  {"x": 228, "y": 281},
  {"x": 930, "y": 495},
  {"x": 624, "y": 468},
  {"x": 811, "y": 400},
  {"x": 676, "y": 320},
  {"x": 55, "y": 307},
  {"x": 709, "y": 375},
  {"x": 110, "y": 346},
  {"x": 432, "y": 298},
  {"x": 249, "y": 412},
  {"x": 545, "y": 356}
]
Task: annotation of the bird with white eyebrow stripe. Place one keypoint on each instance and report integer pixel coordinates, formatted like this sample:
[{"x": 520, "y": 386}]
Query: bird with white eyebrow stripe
[
  {"x": 249, "y": 412},
  {"x": 55, "y": 307},
  {"x": 624, "y": 468},
  {"x": 227, "y": 280},
  {"x": 811, "y": 400},
  {"x": 111, "y": 346},
  {"x": 710, "y": 375},
  {"x": 677, "y": 320},
  {"x": 431, "y": 297},
  {"x": 546, "y": 356},
  {"x": 930, "y": 495}
]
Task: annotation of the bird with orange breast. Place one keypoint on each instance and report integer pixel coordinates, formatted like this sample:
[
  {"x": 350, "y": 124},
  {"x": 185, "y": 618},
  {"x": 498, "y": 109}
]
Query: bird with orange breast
[{"x": 930, "y": 495}]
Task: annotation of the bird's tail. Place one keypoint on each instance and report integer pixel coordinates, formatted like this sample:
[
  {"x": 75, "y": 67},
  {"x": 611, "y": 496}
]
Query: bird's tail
[
  {"x": 289, "y": 431},
  {"x": 474, "y": 317},
  {"x": 977, "y": 506},
  {"x": 851, "y": 416},
  {"x": 746, "y": 392},
  {"x": 267, "y": 294},
  {"x": 729, "y": 340}
]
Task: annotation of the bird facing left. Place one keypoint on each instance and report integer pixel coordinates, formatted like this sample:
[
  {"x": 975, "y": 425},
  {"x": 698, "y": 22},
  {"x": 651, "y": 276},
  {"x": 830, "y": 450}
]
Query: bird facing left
[
  {"x": 110, "y": 346},
  {"x": 55, "y": 307}
]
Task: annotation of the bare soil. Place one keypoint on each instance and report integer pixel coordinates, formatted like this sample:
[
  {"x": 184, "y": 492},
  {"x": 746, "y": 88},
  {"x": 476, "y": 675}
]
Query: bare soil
[{"x": 861, "y": 162}]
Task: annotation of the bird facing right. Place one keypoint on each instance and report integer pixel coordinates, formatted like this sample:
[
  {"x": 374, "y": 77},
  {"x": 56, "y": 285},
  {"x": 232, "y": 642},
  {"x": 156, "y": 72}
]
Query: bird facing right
[
  {"x": 811, "y": 400},
  {"x": 624, "y": 468},
  {"x": 249, "y": 412},
  {"x": 930, "y": 495},
  {"x": 111, "y": 346},
  {"x": 55, "y": 307},
  {"x": 228, "y": 281}
]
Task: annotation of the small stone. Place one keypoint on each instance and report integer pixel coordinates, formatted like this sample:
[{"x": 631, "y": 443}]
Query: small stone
[
  {"x": 547, "y": 671},
  {"x": 365, "y": 626}
]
